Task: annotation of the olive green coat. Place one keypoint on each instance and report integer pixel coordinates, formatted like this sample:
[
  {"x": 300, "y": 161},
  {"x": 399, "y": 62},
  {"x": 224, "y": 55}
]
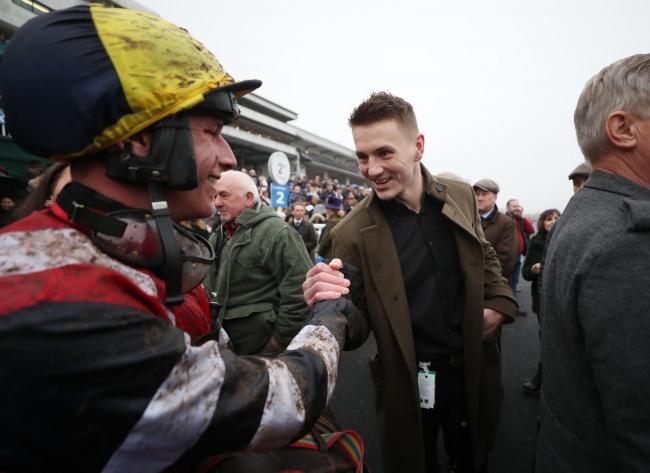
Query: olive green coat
[
  {"x": 258, "y": 285},
  {"x": 364, "y": 239}
]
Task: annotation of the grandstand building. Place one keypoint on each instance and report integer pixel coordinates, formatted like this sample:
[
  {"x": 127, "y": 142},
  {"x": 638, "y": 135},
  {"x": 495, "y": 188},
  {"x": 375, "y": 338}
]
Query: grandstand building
[{"x": 264, "y": 126}]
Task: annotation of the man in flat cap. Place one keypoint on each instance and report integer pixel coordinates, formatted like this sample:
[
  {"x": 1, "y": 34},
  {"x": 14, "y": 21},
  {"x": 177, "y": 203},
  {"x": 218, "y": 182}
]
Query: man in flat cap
[
  {"x": 580, "y": 175},
  {"x": 500, "y": 230}
]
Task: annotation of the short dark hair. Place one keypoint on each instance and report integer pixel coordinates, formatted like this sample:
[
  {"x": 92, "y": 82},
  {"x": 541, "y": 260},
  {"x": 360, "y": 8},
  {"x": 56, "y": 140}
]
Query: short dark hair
[{"x": 383, "y": 106}]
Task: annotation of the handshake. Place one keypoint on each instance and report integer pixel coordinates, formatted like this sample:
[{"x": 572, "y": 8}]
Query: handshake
[{"x": 337, "y": 288}]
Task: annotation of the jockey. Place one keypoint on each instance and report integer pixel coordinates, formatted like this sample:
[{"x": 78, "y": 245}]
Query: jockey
[{"x": 100, "y": 292}]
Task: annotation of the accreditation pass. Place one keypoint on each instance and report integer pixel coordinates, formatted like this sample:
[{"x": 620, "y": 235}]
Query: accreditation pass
[{"x": 426, "y": 385}]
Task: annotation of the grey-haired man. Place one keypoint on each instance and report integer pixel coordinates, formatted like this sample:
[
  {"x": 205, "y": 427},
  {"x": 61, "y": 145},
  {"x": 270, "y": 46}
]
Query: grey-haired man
[{"x": 595, "y": 414}]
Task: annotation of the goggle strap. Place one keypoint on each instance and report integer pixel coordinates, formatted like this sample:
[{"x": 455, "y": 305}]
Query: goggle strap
[
  {"x": 81, "y": 215},
  {"x": 173, "y": 266}
]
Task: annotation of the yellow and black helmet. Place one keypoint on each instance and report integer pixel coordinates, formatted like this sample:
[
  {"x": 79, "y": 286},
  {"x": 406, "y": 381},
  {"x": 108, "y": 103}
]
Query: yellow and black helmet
[{"x": 76, "y": 81}]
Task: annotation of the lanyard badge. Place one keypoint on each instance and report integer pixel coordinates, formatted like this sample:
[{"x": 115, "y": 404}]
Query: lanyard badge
[{"x": 426, "y": 385}]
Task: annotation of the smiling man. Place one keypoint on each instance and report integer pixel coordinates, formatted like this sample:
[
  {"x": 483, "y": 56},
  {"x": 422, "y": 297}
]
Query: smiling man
[
  {"x": 594, "y": 409},
  {"x": 433, "y": 295},
  {"x": 102, "y": 303}
]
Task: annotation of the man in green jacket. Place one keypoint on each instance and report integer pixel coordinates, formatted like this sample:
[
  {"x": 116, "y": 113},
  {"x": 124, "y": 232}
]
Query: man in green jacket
[{"x": 262, "y": 263}]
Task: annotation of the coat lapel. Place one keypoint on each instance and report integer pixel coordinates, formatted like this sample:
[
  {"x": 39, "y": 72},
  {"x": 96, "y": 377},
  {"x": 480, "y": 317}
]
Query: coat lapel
[
  {"x": 450, "y": 208},
  {"x": 386, "y": 275},
  {"x": 470, "y": 255}
]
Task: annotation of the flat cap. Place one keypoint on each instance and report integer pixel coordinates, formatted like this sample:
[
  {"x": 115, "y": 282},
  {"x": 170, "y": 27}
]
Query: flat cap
[
  {"x": 487, "y": 185},
  {"x": 583, "y": 169}
]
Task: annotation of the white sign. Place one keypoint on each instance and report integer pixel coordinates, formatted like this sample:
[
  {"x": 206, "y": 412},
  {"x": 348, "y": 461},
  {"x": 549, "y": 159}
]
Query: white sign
[{"x": 279, "y": 167}]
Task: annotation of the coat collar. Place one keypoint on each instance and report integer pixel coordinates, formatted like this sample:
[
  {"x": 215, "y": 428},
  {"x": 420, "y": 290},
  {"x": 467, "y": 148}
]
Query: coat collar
[
  {"x": 492, "y": 216},
  {"x": 436, "y": 188},
  {"x": 609, "y": 182}
]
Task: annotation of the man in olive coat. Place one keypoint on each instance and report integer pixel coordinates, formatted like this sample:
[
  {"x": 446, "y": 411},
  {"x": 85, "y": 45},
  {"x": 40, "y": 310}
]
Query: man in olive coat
[{"x": 433, "y": 295}]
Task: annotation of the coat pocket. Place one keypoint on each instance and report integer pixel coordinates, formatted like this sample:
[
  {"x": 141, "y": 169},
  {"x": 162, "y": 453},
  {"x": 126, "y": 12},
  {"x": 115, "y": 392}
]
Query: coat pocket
[
  {"x": 248, "y": 259},
  {"x": 251, "y": 333}
]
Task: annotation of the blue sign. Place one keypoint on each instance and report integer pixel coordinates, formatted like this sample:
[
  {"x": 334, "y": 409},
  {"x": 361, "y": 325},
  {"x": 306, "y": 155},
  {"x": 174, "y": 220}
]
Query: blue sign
[{"x": 279, "y": 195}]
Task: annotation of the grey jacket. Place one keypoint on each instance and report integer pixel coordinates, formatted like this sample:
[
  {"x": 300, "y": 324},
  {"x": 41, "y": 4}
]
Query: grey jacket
[{"x": 595, "y": 403}]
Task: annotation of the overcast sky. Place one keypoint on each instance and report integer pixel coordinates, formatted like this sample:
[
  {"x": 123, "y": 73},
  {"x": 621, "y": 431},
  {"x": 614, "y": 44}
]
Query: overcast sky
[{"x": 493, "y": 83}]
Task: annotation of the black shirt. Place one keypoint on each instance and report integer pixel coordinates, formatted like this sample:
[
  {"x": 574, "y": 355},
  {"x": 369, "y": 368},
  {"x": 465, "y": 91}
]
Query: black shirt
[{"x": 432, "y": 277}]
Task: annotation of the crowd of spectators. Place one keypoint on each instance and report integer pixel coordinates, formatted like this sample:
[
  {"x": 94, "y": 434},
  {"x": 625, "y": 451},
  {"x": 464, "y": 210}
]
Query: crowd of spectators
[
  {"x": 325, "y": 199},
  {"x": 121, "y": 331},
  {"x": 314, "y": 192}
]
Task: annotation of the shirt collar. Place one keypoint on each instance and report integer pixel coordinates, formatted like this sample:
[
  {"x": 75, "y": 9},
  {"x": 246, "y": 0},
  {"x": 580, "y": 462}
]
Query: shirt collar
[
  {"x": 486, "y": 215},
  {"x": 230, "y": 228}
]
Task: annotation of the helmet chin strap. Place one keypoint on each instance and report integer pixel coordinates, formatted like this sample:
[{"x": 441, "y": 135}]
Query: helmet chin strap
[
  {"x": 171, "y": 164},
  {"x": 173, "y": 264}
]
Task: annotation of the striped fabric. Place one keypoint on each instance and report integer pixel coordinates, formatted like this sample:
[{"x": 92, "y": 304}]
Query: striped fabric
[
  {"x": 348, "y": 442},
  {"x": 94, "y": 376}
]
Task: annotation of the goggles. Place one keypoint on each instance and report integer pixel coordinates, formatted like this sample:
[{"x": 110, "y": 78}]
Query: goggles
[{"x": 139, "y": 245}]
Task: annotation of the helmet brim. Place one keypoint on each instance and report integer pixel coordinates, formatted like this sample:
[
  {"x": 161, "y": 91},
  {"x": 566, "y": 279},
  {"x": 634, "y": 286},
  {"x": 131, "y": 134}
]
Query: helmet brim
[{"x": 242, "y": 88}]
